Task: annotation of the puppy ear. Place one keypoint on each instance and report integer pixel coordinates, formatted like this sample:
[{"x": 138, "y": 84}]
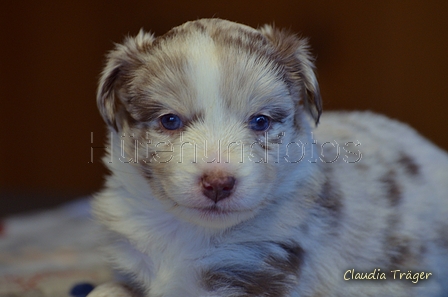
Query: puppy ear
[
  {"x": 120, "y": 61},
  {"x": 295, "y": 54}
]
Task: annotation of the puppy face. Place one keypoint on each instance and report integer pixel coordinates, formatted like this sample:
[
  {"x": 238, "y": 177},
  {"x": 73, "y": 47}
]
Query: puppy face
[{"x": 212, "y": 105}]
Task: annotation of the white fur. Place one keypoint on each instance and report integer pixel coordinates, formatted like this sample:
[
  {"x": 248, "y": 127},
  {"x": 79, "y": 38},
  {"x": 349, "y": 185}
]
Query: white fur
[{"x": 374, "y": 198}]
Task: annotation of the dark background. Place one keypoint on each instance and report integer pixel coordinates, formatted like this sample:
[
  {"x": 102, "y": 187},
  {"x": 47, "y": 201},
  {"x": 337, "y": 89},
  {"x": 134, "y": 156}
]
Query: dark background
[{"x": 387, "y": 56}]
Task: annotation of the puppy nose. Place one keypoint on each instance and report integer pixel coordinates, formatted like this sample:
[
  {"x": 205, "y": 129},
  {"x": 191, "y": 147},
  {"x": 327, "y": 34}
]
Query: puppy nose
[{"x": 217, "y": 188}]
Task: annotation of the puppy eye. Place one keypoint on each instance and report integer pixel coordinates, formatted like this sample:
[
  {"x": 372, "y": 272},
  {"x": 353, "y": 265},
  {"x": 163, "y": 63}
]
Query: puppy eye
[
  {"x": 260, "y": 123},
  {"x": 171, "y": 121}
]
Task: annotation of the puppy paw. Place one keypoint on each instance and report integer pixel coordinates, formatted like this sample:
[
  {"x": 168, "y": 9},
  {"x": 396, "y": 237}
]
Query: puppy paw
[{"x": 112, "y": 290}]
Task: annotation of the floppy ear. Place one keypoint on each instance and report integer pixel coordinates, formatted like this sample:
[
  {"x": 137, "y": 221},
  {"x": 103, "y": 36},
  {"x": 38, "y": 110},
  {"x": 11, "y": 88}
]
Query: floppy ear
[
  {"x": 120, "y": 61},
  {"x": 295, "y": 54}
]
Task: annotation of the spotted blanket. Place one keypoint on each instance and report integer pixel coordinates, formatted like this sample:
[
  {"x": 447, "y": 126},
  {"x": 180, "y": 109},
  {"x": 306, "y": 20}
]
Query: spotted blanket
[{"x": 47, "y": 254}]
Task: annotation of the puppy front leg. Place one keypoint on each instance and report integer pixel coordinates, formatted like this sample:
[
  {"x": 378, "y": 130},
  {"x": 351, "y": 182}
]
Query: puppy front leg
[
  {"x": 262, "y": 268},
  {"x": 113, "y": 289}
]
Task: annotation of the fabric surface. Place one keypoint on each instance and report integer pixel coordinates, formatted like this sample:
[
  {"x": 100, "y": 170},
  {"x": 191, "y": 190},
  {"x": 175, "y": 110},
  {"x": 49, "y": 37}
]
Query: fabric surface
[{"x": 47, "y": 253}]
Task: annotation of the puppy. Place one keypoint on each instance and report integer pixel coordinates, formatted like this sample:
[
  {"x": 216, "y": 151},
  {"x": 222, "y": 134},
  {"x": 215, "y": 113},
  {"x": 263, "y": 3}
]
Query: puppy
[{"x": 222, "y": 184}]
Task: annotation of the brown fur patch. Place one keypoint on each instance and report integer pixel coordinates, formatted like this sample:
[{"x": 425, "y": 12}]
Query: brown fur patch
[
  {"x": 399, "y": 251},
  {"x": 330, "y": 197},
  {"x": 393, "y": 189},
  {"x": 160, "y": 84},
  {"x": 147, "y": 172},
  {"x": 195, "y": 118},
  {"x": 411, "y": 167},
  {"x": 292, "y": 262},
  {"x": 273, "y": 278}
]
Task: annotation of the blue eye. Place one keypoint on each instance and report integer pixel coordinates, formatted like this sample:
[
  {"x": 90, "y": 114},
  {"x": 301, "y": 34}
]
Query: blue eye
[
  {"x": 171, "y": 121},
  {"x": 260, "y": 123}
]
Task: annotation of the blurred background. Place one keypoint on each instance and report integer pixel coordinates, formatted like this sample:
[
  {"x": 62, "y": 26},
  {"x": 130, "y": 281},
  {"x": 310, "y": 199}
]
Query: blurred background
[{"x": 387, "y": 56}]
